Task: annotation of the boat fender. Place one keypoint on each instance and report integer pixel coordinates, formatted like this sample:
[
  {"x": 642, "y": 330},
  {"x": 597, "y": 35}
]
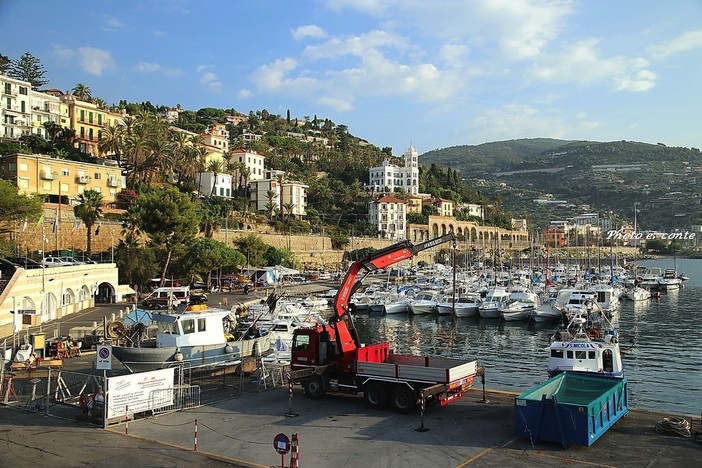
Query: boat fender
[
  {"x": 228, "y": 349},
  {"x": 178, "y": 355}
]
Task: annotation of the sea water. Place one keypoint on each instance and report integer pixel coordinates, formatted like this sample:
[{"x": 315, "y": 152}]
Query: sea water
[{"x": 661, "y": 341}]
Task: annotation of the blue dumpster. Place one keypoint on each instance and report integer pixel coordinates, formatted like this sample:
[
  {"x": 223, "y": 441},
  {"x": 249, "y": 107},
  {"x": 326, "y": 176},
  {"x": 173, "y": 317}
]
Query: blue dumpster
[{"x": 571, "y": 408}]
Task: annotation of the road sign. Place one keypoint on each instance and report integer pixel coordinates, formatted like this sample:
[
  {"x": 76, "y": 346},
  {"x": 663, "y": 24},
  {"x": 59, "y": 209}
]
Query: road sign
[
  {"x": 281, "y": 443},
  {"x": 104, "y": 357}
]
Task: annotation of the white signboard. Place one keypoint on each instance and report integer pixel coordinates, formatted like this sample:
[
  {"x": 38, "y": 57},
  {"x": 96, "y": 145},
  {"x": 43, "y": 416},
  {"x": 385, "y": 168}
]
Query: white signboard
[
  {"x": 136, "y": 391},
  {"x": 104, "y": 357}
]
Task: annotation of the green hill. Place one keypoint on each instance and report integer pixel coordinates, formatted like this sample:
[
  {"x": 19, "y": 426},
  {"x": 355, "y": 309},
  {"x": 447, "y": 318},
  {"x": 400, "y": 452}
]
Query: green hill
[{"x": 588, "y": 175}]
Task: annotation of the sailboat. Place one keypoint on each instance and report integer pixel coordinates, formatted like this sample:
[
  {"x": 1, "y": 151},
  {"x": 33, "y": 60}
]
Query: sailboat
[{"x": 637, "y": 293}]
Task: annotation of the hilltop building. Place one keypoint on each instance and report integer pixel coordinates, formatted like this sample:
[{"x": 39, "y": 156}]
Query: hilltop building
[{"x": 388, "y": 177}]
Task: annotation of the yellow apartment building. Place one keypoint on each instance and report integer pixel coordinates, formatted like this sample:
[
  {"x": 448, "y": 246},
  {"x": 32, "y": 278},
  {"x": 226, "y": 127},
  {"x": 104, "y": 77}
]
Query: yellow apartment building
[{"x": 61, "y": 181}]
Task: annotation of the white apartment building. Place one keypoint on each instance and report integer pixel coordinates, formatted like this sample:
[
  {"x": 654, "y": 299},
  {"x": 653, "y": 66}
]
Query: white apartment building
[
  {"x": 389, "y": 215},
  {"x": 251, "y": 161},
  {"x": 24, "y": 111},
  {"x": 222, "y": 185},
  {"x": 388, "y": 177},
  {"x": 280, "y": 193}
]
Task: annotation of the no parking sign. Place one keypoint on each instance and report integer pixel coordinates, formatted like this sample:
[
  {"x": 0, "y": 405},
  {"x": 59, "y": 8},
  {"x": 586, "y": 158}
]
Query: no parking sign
[{"x": 104, "y": 357}]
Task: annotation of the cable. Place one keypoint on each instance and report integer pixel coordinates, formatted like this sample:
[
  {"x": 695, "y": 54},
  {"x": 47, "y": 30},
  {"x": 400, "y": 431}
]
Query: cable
[{"x": 674, "y": 426}]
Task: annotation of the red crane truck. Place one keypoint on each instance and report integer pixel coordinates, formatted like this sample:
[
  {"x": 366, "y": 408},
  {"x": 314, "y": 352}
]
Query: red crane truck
[{"x": 330, "y": 357}]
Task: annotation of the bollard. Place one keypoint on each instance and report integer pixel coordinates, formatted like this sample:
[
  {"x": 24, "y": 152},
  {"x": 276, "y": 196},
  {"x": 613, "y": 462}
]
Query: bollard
[
  {"x": 290, "y": 413},
  {"x": 294, "y": 452},
  {"x": 113, "y": 316},
  {"x": 126, "y": 419},
  {"x": 195, "y": 435},
  {"x": 482, "y": 380},
  {"x": 121, "y": 313},
  {"x": 422, "y": 407},
  {"x": 94, "y": 325}
]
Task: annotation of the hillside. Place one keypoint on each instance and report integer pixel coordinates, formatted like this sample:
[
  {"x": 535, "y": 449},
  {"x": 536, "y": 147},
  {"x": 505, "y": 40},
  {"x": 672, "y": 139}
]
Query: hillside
[{"x": 589, "y": 176}]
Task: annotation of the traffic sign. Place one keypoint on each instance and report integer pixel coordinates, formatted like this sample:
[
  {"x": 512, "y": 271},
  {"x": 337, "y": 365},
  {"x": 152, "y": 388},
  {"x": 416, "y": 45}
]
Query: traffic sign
[
  {"x": 104, "y": 357},
  {"x": 281, "y": 444}
]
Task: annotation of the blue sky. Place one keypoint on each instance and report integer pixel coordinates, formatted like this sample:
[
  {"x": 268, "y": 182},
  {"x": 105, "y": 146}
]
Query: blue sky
[{"x": 432, "y": 74}]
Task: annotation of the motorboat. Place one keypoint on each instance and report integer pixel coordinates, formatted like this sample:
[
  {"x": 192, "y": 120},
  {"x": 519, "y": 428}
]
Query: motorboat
[
  {"x": 424, "y": 303},
  {"x": 490, "y": 307},
  {"x": 638, "y": 294},
  {"x": 467, "y": 305},
  {"x": 549, "y": 311},
  {"x": 196, "y": 336},
  {"x": 520, "y": 305},
  {"x": 669, "y": 280}
]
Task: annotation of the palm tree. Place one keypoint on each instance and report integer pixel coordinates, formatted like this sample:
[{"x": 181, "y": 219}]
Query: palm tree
[
  {"x": 111, "y": 143},
  {"x": 82, "y": 92},
  {"x": 89, "y": 210},
  {"x": 216, "y": 167}
]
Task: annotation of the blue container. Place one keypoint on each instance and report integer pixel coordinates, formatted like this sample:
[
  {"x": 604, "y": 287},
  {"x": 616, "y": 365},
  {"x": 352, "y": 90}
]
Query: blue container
[{"x": 571, "y": 408}]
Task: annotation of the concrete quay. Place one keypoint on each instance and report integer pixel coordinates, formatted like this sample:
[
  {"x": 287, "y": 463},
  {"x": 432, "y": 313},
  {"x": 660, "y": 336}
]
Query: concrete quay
[{"x": 338, "y": 431}]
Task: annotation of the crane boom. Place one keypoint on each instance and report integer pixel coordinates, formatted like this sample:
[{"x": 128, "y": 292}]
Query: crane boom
[{"x": 347, "y": 340}]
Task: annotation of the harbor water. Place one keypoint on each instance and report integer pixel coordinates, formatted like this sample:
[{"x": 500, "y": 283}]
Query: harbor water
[{"x": 660, "y": 339}]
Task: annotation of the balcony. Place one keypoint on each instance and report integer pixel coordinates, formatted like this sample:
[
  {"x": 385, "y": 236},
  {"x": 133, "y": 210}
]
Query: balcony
[
  {"x": 81, "y": 179},
  {"x": 47, "y": 175},
  {"x": 113, "y": 182}
]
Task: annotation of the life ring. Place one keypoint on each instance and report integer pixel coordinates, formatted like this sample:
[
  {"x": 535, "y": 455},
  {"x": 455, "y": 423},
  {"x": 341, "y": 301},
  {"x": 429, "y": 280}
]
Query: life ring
[{"x": 593, "y": 334}]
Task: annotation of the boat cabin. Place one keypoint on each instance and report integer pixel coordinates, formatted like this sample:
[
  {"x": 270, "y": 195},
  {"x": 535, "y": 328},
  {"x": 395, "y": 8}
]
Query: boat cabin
[{"x": 190, "y": 329}]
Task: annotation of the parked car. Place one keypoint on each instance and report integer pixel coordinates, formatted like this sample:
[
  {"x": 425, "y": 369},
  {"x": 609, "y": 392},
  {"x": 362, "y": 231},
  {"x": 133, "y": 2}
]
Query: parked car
[
  {"x": 24, "y": 262},
  {"x": 54, "y": 262},
  {"x": 72, "y": 260}
]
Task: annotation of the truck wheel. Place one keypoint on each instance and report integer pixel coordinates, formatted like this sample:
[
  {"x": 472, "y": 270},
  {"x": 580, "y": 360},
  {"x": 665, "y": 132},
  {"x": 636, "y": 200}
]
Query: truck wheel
[
  {"x": 376, "y": 395},
  {"x": 314, "y": 388},
  {"x": 403, "y": 399}
]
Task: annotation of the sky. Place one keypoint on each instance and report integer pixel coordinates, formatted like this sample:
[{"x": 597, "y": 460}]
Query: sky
[{"x": 433, "y": 74}]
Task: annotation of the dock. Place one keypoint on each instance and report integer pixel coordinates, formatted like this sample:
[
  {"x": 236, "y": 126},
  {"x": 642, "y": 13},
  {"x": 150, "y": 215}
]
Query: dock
[{"x": 238, "y": 429}]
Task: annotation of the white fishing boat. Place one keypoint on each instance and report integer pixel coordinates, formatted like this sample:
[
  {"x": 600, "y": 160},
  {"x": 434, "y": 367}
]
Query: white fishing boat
[
  {"x": 197, "y": 336},
  {"x": 585, "y": 349}
]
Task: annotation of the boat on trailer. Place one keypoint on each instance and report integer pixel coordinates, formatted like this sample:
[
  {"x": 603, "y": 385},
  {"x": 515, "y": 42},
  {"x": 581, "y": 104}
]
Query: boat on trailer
[{"x": 196, "y": 336}]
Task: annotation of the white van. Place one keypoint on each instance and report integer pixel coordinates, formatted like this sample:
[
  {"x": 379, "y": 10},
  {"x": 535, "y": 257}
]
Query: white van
[{"x": 162, "y": 298}]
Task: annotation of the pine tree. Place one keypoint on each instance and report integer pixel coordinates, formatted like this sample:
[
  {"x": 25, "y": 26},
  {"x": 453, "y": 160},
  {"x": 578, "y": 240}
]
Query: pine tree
[
  {"x": 28, "y": 68},
  {"x": 4, "y": 64}
]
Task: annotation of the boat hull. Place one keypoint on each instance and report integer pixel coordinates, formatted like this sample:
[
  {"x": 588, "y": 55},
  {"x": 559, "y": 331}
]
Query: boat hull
[{"x": 149, "y": 357}]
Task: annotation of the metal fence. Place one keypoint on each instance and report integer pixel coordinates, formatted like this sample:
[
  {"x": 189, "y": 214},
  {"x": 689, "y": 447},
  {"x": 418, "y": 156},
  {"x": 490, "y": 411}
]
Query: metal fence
[{"x": 178, "y": 398}]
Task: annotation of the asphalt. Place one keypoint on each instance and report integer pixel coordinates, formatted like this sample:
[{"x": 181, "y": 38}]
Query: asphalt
[{"x": 338, "y": 431}]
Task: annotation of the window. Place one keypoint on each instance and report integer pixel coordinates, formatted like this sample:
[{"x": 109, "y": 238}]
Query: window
[
  {"x": 97, "y": 176},
  {"x": 90, "y": 117},
  {"x": 591, "y": 355},
  {"x": 23, "y": 90},
  {"x": 90, "y": 133},
  {"x": 301, "y": 343},
  {"x": 581, "y": 355},
  {"x": 201, "y": 324},
  {"x": 65, "y": 172},
  {"x": 188, "y": 326},
  {"x": 82, "y": 132},
  {"x": 569, "y": 354},
  {"x": 82, "y": 116},
  {"x": 8, "y": 90},
  {"x": 99, "y": 119}
]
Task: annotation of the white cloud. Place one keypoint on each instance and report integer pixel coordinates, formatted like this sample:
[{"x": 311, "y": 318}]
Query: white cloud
[
  {"x": 209, "y": 79},
  {"x": 582, "y": 63},
  {"x": 113, "y": 25},
  {"x": 686, "y": 41},
  {"x": 311, "y": 30},
  {"x": 244, "y": 93},
  {"x": 95, "y": 61},
  {"x": 63, "y": 53},
  {"x": 151, "y": 67},
  {"x": 516, "y": 121},
  {"x": 335, "y": 103}
]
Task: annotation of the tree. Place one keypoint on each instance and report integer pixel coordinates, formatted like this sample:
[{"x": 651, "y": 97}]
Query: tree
[
  {"x": 82, "y": 92},
  {"x": 15, "y": 210},
  {"x": 167, "y": 217},
  {"x": 4, "y": 64},
  {"x": 89, "y": 210},
  {"x": 253, "y": 248},
  {"x": 28, "y": 68}
]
